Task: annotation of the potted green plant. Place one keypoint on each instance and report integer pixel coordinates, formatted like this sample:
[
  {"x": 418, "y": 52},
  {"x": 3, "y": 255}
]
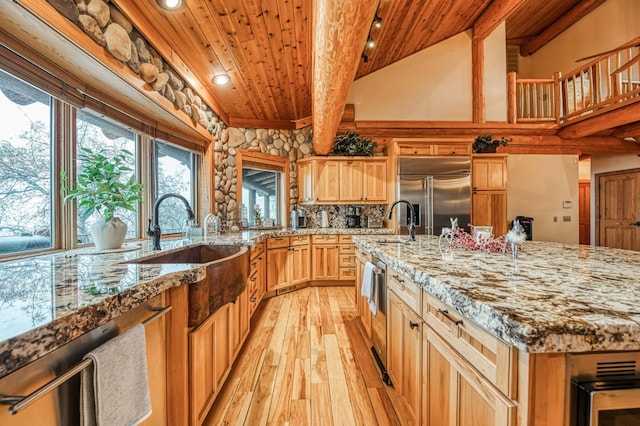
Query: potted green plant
[
  {"x": 487, "y": 144},
  {"x": 102, "y": 187},
  {"x": 353, "y": 144}
]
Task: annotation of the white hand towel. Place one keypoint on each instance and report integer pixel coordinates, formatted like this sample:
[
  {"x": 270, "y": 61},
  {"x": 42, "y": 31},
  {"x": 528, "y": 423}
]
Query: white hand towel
[
  {"x": 368, "y": 286},
  {"x": 115, "y": 389}
]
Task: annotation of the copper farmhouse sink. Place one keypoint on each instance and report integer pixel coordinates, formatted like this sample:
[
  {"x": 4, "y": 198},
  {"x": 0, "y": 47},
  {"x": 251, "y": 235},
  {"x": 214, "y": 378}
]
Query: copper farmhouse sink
[{"x": 227, "y": 269}]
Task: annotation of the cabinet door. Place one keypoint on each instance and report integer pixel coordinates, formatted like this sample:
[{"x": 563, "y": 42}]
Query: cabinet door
[
  {"x": 327, "y": 181},
  {"x": 277, "y": 268},
  {"x": 375, "y": 181},
  {"x": 324, "y": 262},
  {"x": 351, "y": 181},
  {"x": 210, "y": 360},
  {"x": 362, "y": 305},
  {"x": 489, "y": 173},
  {"x": 305, "y": 182},
  {"x": 238, "y": 323},
  {"x": 300, "y": 262},
  {"x": 454, "y": 393},
  {"x": 489, "y": 208}
]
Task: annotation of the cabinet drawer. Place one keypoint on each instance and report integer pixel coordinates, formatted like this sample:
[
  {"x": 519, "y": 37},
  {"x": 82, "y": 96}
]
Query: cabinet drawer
[
  {"x": 347, "y": 260},
  {"x": 277, "y": 242},
  {"x": 346, "y": 239},
  {"x": 492, "y": 357},
  {"x": 347, "y": 249},
  {"x": 363, "y": 256},
  {"x": 324, "y": 239},
  {"x": 452, "y": 149},
  {"x": 347, "y": 273},
  {"x": 252, "y": 284},
  {"x": 415, "y": 150},
  {"x": 298, "y": 240},
  {"x": 408, "y": 291}
]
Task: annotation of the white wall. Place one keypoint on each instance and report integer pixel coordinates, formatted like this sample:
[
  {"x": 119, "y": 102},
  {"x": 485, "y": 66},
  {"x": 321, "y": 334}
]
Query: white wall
[
  {"x": 433, "y": 84},
  {"x": 537, "y": 185},
  {"x": 495, "y": 75},
  {"x": 610, "y": 25}
]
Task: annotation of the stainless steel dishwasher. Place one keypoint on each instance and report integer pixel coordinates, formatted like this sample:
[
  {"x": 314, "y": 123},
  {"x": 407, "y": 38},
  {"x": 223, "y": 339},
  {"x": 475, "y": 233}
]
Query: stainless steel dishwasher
[{"x": 379, "y": 321}]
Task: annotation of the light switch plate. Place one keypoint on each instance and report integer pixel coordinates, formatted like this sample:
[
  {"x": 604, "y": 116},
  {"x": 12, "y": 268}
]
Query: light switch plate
[{"x": 567, "y": 204}]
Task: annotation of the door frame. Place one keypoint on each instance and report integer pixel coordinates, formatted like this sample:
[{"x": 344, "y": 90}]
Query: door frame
[{"x": 598, "y": 177}]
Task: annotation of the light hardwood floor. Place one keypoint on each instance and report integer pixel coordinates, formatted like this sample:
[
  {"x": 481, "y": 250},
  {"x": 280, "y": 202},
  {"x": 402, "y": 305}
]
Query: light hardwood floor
[{"x": 306, "y": 363}]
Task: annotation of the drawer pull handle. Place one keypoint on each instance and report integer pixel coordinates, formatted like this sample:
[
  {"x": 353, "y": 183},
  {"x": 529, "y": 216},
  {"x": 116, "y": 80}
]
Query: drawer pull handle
[
  {"x": 253, "y": 299},
  {"x": 400, "y": 280},
  {"x": 254, "y": 279},
  {"x": 412, "y": 324},
  {"x": 449, "y": 317}
]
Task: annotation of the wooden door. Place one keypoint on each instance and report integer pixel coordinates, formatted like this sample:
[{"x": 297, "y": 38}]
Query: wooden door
[
  {"x": 300, "y": 264},
  {"x": 489, "y": 208},
  {"x": 305, "y": 182},
  {"x": 394, "y": 339},
  {"x": 584, "y": 212},
  {"x": 619, "y": 209},
  {"x": 325, "y": 262},
  {"x": 489, "y": 173},
  {"x": 374, "y": 185},
  {"x": 238, "y": 323},
  {"x": 327, "y": 181},
  {"x": 436, "y": 384},
  {"x": 277, "y": 268},
  {"x": 351, "y": 181}
]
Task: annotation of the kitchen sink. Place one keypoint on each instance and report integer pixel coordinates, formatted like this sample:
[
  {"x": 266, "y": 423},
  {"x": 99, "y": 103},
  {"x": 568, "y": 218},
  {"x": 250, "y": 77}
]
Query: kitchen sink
[{"x": 227, "y": 269}]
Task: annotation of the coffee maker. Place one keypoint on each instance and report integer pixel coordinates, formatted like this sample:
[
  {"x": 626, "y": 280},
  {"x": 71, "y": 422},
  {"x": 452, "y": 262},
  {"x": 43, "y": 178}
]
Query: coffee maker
[
  {"x": 298, "y": 219},
  {"x": 353, "y": 216}
]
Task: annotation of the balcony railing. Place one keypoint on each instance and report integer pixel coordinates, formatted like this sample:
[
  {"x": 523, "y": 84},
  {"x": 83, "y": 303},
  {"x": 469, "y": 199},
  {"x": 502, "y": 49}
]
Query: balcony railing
[{"x": 608, "y": 82}]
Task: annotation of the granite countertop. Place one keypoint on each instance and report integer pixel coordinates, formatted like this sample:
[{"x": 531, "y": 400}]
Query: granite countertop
[
  {"x": 553, "y": 298},
  {"x": 47, "y": 301}
]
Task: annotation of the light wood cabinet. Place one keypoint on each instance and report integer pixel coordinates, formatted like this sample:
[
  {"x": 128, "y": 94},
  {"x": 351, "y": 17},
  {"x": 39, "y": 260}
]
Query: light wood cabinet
[
  {"x": 257, "y": 281},
  {"x": 325, "y": 261},
  {"x": 489, "y": 172},
  {"x": 342, "y": 181},
  {"x": 305, "y": 182},
  {"x": 362, "y": 305},
  {"x": 327, "y": 181},
  {"x": 404, "y": 328},
  {"x": 489, "y": 208},
  {"x": 209, "y": 362},
  {"x": 454, "y": 393},
  {"x": 238, "y": 323},
  {"x": 489, "y": 198},
  {"x": 347, "y": 258},
  {"x": 433, "y": 146},
  {"x": 288, "y": 263}
]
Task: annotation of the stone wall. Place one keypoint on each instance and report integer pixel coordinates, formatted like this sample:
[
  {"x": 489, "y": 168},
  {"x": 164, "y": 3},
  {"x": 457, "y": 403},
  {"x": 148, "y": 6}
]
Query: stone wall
[{"x": 291, "y": 144}]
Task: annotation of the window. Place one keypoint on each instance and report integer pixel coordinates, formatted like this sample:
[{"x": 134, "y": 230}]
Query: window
[
  {"x": 101, "y": 134},
  {"x": 175, "y": 172},
  {"x": 25, "y": 167},
  {"x": 265, "y": 183}
]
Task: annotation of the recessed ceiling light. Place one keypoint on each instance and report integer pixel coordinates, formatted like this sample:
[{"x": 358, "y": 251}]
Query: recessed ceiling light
[
  {"x": 221, "y": 79},
  {"x": 170, "y": 4}
]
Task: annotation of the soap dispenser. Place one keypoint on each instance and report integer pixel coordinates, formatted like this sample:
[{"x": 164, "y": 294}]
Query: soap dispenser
[{"x": 211, "y": 225}]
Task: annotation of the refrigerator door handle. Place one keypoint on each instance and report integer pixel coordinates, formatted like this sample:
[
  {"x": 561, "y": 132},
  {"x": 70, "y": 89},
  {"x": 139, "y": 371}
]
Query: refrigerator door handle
[{"x": 429, "y": 206}]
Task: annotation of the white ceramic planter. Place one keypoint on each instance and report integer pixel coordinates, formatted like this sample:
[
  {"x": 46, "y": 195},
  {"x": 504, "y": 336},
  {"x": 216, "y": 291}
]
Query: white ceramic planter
[{"x": 109, "y": 235}]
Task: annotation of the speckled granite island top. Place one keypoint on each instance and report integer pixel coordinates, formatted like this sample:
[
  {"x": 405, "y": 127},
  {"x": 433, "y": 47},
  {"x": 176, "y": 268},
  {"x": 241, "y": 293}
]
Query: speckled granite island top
[
  {"x": 554, "y": 298},
  {"x": 47, "y": 301}
]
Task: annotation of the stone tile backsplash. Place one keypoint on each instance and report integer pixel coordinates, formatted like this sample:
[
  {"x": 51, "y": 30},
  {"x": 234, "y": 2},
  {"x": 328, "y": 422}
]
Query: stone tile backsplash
[{"x": 338, "y": 214}]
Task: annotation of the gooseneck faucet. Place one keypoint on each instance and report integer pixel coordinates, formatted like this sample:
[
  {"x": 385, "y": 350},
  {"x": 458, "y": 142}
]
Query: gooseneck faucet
[
  {"x": 155, "y": 231},
  {"x": 412, "y": 225}
]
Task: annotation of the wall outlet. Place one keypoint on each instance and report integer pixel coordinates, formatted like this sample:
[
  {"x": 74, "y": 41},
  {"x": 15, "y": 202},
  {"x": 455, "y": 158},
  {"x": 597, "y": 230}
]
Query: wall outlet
[
  {"x": 566, "y": 204},
  {"x": 566, "y": 218},
  {"x": 555, "y": 218}
]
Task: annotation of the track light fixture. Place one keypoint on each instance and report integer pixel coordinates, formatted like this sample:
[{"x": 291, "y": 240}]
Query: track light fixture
[
  {"x": 371, "y": 43},
  {"x": 377, "y": 21},
  {"x": 365, "y": 57}
]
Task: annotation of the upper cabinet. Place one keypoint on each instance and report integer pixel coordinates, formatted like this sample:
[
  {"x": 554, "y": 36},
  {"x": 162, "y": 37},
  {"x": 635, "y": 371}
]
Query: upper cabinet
[
  {"x": 489, "y": 172},
  {"x": 342, "y": 180},
  {"x": 433, "y": 146}
]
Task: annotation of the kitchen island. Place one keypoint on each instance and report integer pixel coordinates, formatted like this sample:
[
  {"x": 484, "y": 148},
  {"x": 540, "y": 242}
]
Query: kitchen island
[{"x": 515, "y": 332}]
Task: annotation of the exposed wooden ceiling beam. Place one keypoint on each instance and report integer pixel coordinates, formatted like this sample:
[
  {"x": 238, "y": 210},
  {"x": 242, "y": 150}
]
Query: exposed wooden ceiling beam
[
  {"x": 340, "y": 29},
  {"x": 561, "y": 24},
  {"x": 627, "y": 131},
  {"x": 493, "y": 15},
  {"x": 617, "y": 117}
]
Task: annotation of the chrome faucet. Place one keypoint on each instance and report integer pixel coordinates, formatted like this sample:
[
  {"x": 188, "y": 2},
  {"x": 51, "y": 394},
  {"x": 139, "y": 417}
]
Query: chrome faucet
[
  {"x": 412, "y": 225},
  {"x": 155, "y": 231}
]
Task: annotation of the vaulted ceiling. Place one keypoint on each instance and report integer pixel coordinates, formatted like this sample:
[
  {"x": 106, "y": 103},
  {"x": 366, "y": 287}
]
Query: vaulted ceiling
[{"x": 265, "y": 46}]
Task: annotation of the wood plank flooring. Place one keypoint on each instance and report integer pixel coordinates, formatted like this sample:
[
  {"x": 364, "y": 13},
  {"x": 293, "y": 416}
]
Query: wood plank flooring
[{"x": 305, "y": 363}]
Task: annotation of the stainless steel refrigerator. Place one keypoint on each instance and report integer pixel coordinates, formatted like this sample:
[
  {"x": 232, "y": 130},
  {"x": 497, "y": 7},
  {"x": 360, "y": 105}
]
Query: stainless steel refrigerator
[{"x": 439, "y": 188}]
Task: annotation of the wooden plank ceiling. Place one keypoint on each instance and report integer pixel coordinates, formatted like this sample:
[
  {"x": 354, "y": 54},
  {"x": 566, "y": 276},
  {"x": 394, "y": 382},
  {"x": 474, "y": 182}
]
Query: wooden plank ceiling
[{"x": 265, "y": 46}]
